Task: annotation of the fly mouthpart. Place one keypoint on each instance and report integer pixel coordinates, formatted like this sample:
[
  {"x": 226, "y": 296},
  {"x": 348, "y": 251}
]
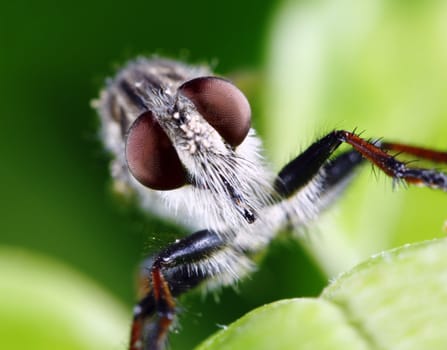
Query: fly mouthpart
[{"x": 241, "y": 206}]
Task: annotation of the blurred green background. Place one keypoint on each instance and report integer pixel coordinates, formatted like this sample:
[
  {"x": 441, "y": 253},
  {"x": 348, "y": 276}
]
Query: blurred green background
[{"x": 377, "y": 65}]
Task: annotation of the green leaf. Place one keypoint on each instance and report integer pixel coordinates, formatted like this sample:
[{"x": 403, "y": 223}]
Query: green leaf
[
  {"x": 45, "y": 305},
  {"x": 395, "y": 300}
]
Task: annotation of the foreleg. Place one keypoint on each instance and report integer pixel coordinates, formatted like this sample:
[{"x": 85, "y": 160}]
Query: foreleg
[
  {"x": 200, "y": 257},
  {"x": 300, "y": 171}
]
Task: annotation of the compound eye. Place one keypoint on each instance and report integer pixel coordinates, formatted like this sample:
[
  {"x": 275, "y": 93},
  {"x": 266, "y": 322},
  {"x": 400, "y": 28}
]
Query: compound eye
[
  {"x": 222, "y": 105},
  {"x": 151, "y": 158}
]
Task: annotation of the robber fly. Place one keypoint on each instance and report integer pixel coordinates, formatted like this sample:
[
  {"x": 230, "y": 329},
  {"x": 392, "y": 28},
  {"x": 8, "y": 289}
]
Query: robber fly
[{"x": 181, "y": 139}]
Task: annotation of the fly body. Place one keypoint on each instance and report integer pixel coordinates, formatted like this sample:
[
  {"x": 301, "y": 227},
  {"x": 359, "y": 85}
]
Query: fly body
[{"x": 181, "y": 139}]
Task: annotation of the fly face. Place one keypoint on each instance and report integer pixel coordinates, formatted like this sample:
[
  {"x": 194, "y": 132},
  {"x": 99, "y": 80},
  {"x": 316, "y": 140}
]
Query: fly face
[{"x": 188, "y": 134}]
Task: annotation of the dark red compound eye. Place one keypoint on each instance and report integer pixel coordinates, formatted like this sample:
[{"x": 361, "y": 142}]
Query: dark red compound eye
[
  {"x": 151, "y": 158},
  {"x": 223, "y": 106}
]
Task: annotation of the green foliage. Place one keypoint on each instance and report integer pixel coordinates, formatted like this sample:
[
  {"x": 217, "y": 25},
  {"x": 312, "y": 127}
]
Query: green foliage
[
  {"x": 395, "y": 300},
  {"x": 45, "y": 305}
]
